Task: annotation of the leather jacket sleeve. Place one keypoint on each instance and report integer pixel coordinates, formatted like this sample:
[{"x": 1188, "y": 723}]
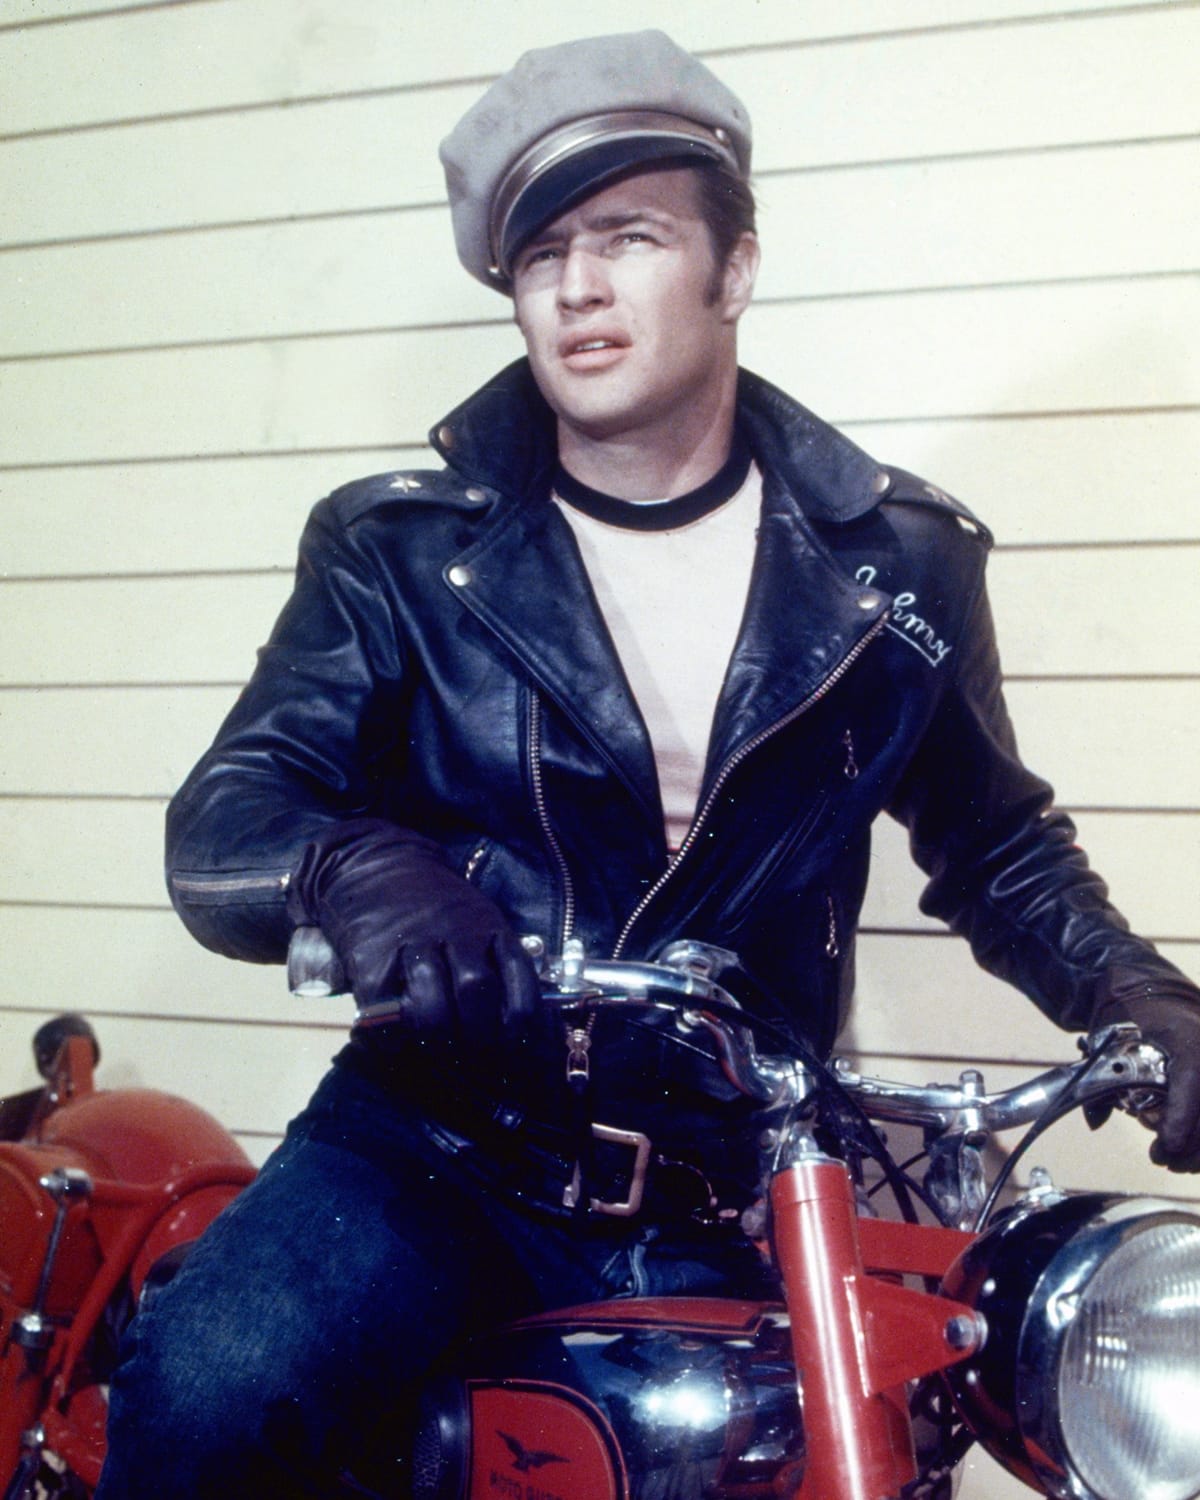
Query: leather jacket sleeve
[
  {"x": 1005, "y": 870},
  {"x": 301, "y": 750}
]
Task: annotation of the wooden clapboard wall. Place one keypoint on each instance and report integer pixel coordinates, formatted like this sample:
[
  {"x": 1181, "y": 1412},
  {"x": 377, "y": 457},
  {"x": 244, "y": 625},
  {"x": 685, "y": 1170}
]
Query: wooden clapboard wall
[{"x": 227, "y": 283}]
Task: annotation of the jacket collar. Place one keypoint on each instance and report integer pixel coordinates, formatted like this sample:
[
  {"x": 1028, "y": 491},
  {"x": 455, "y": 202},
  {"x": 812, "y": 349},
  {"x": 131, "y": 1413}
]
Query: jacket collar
[
  {"x": 503, "y": 437},
  {"x": 831, "y": 478}
]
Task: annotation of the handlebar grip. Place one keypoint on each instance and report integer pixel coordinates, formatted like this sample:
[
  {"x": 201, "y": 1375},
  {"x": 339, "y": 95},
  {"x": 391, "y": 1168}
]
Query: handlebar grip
[{"x": 314, "y": 970}]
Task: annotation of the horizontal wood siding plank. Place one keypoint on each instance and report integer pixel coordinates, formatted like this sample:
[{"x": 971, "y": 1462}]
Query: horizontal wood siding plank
[
  {"x": 871, "y": 99},
  {"x": 982, "y": 1478},
  {"x": 343, "y": 156},
  {"x": 1103, "y": 744},
  {"x": 157, "y": 630},
  {"x": 1113, "y": 211},
  {"x": 107, "y": 742},
  {"x": 22, "y": 17},
  {"x": 174, "y": 517},
  {"x": 109, "y": 853},
  {"x": 136, "y": 962},
  {"x": 1074, "y": 613},
  {"x": 373, "y": 391},
  {"x": 389, "y": 270},
  {"x": 954, "y": 92},
  {"x": 925, "y": 994},
  {"x": 1108, "y": 477},
  {"x": 71, "y": 853},
  {"x": 1019, "y": 350},
  {"x": 1112, "y": 744},
  {"x": 1013, "y": 350},
  {"x": 167, "y": 59},
  {"x": 1035, "y": 481}
]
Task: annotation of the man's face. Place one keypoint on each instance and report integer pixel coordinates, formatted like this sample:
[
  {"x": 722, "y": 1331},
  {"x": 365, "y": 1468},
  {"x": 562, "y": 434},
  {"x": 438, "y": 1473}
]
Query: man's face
[{"x": 629, "y": 323}]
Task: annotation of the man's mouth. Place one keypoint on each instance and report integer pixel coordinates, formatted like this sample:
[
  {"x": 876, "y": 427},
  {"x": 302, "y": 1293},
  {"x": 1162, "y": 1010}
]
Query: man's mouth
[{"x": 589, "y": 352}]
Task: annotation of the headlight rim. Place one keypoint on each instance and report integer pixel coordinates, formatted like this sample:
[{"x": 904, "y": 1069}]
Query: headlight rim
[
  {"x": 1009, "y": 1392},
  {"x": 1075, "y": 1269}
]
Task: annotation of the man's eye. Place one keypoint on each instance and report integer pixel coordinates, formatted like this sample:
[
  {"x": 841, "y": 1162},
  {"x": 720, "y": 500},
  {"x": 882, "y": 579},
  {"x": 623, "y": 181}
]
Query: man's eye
[{"x": 542, "y": 253}]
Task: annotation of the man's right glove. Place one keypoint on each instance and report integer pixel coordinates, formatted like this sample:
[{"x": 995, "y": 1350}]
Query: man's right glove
[{"x": 407, "y": 926}]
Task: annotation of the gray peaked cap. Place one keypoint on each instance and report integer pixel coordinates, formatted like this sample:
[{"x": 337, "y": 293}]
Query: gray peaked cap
[{"x": 565, "y": 120}]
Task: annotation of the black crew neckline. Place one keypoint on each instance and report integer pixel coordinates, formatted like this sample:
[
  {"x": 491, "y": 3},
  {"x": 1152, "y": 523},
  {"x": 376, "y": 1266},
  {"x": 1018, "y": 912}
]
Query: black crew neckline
[{"x": 659, "y": 515}]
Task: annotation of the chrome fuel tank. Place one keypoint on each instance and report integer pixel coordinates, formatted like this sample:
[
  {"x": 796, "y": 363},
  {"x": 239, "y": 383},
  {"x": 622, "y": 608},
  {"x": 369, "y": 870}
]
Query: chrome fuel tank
[{"x": 630, "y": 1400}]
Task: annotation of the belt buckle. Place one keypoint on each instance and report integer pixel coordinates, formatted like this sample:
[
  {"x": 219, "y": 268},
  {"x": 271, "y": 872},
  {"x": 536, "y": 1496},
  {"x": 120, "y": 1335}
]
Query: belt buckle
[{"x": 640, "y": 1146}]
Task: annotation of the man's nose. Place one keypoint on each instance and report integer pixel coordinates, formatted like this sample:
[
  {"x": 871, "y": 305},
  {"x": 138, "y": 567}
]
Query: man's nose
[{"x": 583, "y": 281}]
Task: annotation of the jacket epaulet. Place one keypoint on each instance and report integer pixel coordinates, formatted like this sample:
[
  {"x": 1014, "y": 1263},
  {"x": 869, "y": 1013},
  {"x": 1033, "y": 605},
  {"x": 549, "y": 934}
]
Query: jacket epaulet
[
  {"x": 439, "y": 486},
  {"x": 910, "y": 489}
]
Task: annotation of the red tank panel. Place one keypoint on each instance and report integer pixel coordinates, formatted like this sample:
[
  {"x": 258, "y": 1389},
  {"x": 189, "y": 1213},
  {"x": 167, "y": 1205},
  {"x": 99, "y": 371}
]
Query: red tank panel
[
  {"x": 531, "y": 1439},
  {"x": 140, "y": 1136}
]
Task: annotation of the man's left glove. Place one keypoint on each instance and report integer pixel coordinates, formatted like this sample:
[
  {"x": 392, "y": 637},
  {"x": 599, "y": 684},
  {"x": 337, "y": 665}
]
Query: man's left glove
[{"x": 1172, "y": 1023}]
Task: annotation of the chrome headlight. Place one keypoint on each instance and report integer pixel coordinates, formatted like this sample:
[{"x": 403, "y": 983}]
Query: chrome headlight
[{"x": 1089, "y": 1383}]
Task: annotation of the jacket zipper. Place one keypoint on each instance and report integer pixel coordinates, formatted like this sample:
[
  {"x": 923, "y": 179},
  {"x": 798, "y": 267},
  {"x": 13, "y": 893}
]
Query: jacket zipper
[
  {"x": 850, "y": 767},
  {"x": 476, "y": 859},
  {"x": 229, "y": 885},
  {"x": 833, "y": 947},
  {"x": 578, "y": 1038},
  {"x": 732, "y": 764},
  {"x": 543, "y": 816}
]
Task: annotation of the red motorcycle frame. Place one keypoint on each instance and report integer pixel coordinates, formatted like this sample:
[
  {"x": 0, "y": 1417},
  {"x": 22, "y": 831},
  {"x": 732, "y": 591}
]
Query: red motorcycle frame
[
  {"x": 858, "y": 1334},
  {"x": 96, "y": 1190}
]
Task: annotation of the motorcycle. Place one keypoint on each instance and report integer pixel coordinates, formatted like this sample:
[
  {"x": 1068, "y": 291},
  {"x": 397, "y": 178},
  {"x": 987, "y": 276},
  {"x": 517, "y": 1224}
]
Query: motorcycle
[
  {"x": 101, "y": 1193},
  {"x": 1060, "y": 1331}
]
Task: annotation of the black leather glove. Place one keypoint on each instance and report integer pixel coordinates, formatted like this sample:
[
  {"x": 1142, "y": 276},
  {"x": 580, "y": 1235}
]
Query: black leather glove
[
  {"x": 1172, "y": 1023},
  {"x": 407, "y": 926}
]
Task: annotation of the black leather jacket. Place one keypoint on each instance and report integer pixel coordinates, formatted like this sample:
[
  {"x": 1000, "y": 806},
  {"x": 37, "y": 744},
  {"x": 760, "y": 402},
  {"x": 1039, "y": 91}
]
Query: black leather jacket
[{"x": 442, "y": 663}]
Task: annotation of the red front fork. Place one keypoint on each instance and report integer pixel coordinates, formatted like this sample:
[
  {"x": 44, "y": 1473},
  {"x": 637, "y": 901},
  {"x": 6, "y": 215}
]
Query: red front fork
[{"x": 857, "y": 1339}]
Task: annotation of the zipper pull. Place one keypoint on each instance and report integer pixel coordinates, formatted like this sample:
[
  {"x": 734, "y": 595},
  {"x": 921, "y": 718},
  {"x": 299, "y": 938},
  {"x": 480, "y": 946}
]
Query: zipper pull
[
  {"x": 850, "y": 768},
  {"x": 832, "y": 948},
  {"x": 579, "y": 1044}
]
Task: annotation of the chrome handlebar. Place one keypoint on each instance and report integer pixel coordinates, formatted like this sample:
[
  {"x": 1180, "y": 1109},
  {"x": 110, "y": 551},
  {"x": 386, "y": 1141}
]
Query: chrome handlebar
[
  {"x": 685, "y": 982},
  {"x": 1115, "y": 1059}
]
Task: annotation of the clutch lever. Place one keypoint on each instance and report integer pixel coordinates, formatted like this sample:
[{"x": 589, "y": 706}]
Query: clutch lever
[{"x": 1125, "y": 1072}]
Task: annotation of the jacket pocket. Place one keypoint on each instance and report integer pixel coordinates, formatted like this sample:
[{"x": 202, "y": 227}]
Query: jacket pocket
[
  {"x": 776, "y": 858},
  {"x": 838, "y": 770}
]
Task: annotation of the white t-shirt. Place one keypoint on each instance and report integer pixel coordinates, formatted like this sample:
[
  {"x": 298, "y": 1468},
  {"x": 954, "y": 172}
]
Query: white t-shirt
[{"x": 673, "y": 601}]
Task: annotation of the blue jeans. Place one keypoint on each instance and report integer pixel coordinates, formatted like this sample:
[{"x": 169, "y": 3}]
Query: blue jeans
[{"x": 292, "y": 1343}]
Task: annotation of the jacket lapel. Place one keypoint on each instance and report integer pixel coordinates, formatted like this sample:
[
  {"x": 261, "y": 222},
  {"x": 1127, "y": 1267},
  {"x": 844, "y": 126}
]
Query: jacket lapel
[
  {"x": 804, "y": 616},
  {"x": 527, "y": 583}
]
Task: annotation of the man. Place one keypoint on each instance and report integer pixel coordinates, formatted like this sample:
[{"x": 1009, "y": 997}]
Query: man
[{"x": 629, "y": 669}]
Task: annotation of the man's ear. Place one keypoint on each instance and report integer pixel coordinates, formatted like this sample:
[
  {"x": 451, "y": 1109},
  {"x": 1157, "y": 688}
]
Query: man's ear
[{"x": 738, "y": 277}]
